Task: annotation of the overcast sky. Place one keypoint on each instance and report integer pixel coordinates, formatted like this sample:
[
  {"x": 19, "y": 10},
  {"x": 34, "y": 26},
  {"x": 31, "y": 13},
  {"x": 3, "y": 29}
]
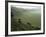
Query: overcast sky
[{"x": 28, "y": 7}]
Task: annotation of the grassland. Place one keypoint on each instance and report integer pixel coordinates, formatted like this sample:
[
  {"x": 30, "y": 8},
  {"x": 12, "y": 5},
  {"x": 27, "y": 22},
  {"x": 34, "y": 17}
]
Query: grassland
[{"x": 25, "y": 19}]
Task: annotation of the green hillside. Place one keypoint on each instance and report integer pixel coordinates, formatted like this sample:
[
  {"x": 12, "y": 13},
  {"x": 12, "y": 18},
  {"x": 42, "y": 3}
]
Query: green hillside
[{"x": 25, "y": 19}]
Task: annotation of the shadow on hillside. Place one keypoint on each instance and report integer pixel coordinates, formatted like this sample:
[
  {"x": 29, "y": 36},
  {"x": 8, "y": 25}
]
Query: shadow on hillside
[{"x": 19, "y": 26}]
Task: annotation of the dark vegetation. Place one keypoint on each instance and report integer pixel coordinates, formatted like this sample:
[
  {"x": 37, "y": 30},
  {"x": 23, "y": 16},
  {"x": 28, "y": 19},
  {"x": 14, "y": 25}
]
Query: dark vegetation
[{"x": 19, "y": 26}]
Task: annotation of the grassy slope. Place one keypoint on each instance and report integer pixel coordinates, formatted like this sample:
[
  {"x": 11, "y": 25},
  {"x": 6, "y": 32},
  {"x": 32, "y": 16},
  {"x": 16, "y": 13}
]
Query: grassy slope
[{"x": 31, "y": 16}]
